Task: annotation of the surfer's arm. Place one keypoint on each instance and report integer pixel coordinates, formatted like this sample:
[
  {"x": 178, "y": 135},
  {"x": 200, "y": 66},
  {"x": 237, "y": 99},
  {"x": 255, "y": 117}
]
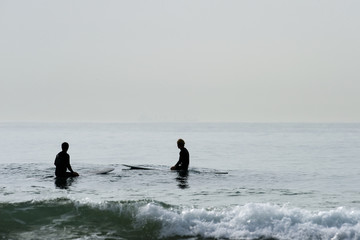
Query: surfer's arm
[
  {"x": 181, "y": 159},
  {"x": 74, "y": 174},
  {"x": 179, "y": 162},
  {"x": 69, "y": 166},
  {"x": 176, "y": 165}
]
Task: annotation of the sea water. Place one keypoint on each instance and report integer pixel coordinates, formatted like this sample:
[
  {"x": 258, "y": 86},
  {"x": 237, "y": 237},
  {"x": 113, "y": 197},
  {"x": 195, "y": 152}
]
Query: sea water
[{"x": 283, "y": 181}]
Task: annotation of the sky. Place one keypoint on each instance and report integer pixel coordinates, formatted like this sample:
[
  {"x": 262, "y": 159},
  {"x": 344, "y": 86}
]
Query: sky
[{"x": 176, "y": 61}]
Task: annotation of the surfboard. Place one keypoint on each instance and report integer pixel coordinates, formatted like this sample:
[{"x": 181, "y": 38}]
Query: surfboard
[
  {"x": 103, "y": 171},
  {"x": 138, "y": 167},
  {"x": 208, "y": 171},
  {"x": 132, "y": 167}
]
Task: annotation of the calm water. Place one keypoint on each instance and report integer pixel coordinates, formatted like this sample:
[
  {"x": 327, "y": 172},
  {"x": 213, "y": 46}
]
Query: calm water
[{"x": 284, "y": 181}]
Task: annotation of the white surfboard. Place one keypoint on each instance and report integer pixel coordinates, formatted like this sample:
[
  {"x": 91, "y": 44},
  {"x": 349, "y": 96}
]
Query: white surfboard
[{"x": 103, "y": 171}]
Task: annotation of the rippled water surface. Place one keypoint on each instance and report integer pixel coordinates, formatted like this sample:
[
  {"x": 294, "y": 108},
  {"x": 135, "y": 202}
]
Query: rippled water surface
[{"x": 246, "y": 181}]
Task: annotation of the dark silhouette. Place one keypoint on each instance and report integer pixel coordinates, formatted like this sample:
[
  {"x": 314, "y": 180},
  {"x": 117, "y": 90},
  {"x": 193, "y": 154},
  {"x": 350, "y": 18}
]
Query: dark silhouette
[
  {"x": 182, "y": 179},
  {"x": 64, "y": 182},
  {"x": 184, "y": 158},
  {"x": 62, "y": 163}
]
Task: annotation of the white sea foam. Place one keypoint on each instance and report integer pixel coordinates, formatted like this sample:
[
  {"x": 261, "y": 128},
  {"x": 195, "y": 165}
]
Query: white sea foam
[
  {"x": 156, "y": 219},
  {"x": 255, "y": 220}
]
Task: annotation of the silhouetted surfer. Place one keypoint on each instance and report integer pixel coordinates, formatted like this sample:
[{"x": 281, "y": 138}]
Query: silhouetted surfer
[
  {"x": 62, "y": 163},
  {"x": 184, "y": 157}
]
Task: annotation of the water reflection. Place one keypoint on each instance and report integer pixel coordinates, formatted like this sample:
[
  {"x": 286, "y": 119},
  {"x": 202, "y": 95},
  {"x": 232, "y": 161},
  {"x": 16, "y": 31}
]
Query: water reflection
[
  {"x": 63, "y": 182},
  {"x": 182, "y": 179}
]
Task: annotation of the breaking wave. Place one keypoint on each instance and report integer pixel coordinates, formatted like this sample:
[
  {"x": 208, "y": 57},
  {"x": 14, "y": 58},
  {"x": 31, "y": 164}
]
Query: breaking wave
[{"x": 68, "y": 219}]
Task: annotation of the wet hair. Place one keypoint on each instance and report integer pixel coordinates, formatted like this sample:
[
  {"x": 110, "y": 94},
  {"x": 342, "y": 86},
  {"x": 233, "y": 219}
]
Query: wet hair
[
  {"x": 64, "y": 146},
  {"x": 180, "y": 142}
]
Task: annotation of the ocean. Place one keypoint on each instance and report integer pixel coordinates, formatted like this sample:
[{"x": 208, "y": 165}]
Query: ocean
[{"x": 245, "y": 181}]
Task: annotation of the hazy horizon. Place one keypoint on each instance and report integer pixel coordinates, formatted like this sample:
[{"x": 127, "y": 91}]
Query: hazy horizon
[{"x": 179, "y": 61}]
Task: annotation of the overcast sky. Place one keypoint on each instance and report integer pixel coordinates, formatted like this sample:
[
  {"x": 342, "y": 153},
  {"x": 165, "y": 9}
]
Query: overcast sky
[{"x": 207, "y": 61}]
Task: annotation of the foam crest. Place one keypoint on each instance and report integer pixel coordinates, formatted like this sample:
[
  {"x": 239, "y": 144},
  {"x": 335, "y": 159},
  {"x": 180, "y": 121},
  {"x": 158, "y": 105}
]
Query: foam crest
[
  {"x": 255, "y": 221},
  {"x": 155, "y": 220}
]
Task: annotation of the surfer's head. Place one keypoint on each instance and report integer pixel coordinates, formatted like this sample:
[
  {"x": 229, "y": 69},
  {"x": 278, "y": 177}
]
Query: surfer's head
[
  {"x": 180, "y": 143},
  {"x": 65, "y": 146}
]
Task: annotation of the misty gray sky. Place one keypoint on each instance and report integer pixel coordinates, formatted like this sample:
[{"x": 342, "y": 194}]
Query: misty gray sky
[{"x": 247, "y": 61}]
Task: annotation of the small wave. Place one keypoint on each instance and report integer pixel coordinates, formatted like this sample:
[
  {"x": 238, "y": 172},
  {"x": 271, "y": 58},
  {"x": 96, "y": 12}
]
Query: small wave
[{"x": 69, "y": 219}]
